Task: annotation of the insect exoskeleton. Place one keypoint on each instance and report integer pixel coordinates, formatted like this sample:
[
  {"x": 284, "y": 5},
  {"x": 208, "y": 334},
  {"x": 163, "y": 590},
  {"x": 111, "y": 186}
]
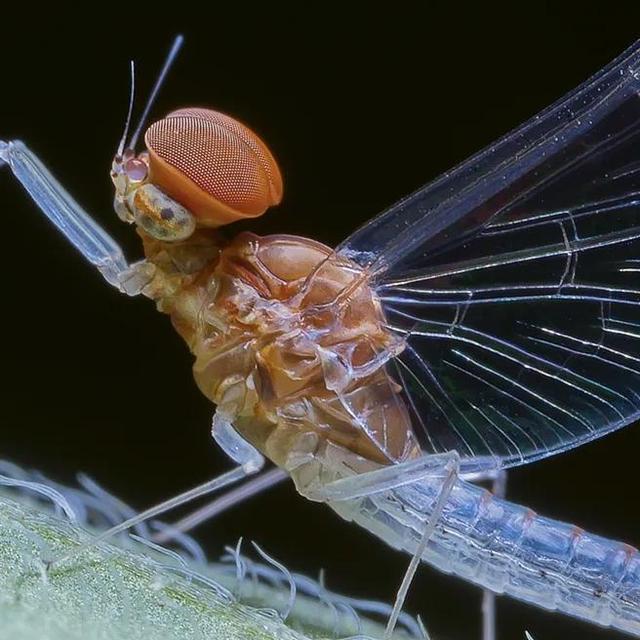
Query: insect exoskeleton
[{"x": 202, "y": 168}]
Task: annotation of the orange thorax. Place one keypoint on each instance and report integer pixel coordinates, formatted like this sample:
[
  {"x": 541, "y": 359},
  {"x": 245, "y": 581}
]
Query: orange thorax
[{"x": 282, "y": 353}]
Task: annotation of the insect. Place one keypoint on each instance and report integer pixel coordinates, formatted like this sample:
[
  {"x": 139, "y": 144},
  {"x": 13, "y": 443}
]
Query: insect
[{"x": 486, "y": 321}]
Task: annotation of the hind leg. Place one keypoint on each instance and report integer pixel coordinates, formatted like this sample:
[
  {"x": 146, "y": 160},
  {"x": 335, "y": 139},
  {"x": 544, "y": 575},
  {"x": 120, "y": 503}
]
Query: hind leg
[
  {"x": 445, "y": 467},
  {"x": 499, "y": 489},
  {"x": 498, "y": 480}
]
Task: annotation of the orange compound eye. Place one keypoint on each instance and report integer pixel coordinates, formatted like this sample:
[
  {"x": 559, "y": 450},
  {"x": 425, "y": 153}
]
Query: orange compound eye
[{"x": 213, "y": 165}]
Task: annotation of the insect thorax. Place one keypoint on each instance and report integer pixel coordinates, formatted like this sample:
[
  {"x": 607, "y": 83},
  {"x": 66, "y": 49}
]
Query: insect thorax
[{"x": 289, "y": 342}]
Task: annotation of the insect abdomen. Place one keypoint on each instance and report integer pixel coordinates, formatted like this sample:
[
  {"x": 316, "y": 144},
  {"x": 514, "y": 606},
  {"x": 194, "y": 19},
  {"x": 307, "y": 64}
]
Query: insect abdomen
[{"x": 509, "y": 549}]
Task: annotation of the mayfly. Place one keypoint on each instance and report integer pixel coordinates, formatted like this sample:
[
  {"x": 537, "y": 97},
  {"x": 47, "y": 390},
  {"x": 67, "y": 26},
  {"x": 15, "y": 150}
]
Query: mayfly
[{"x": 486, "y": 321}]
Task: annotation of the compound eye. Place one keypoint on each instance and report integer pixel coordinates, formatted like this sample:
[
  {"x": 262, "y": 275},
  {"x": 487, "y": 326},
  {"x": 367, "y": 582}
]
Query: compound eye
[
  {"x": 159, "y": 215},
  {"x": 214, "y": 165}
]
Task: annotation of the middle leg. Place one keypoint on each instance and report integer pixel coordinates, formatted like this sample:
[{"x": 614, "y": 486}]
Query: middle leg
[{"x": 249, "y": 461}]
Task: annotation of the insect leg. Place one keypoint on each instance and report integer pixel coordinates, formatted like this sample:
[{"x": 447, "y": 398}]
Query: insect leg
[
  {"x": 250, "y": 461},
  {"x": 499, "y": 489},
  {"x": 452, "y": 470},
  {"x": 398, "y": 475},
  {"x": 95, "y": 244},
  {"x": 446, "y": 466},
  {"x": 498, "y": 479},
  {"x": 230, "y": 499}
]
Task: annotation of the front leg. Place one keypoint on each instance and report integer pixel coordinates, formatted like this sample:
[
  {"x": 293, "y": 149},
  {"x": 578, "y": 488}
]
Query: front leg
[{"x": 95, "y": 244}]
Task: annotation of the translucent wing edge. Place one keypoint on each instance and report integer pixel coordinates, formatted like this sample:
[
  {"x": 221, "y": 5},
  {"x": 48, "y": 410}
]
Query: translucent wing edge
[
  {"x": 516, "y": 461},
  {"x": 394, "y": 233}
]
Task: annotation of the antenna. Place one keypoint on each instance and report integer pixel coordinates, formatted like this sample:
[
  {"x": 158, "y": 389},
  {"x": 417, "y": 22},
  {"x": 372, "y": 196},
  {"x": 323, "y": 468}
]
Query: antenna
[
  {"x": 171, "y": 56},
  {"x": 132, "y": 93}
]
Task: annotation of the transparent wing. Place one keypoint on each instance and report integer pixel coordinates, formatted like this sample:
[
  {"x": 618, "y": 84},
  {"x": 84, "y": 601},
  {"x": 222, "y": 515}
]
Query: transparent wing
[{"x": 515, "y": 281}]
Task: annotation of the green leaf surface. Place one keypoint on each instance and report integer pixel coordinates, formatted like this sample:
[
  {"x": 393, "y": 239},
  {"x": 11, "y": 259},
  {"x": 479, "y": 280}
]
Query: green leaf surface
[{"x": 111, "y": 593}]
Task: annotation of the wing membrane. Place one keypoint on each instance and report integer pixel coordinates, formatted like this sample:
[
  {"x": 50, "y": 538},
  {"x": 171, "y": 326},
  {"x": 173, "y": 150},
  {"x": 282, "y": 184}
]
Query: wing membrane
[{"x": 514, "y": 281}]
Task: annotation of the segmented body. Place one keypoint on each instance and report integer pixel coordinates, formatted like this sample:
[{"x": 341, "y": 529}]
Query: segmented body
[
  {"x": 299, "y": 368},
  {"x": 509, "y": 549}
]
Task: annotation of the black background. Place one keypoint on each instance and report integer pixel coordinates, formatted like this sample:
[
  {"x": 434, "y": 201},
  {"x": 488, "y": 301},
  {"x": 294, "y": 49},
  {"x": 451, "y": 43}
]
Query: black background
[{"x": 360, "y": 107}]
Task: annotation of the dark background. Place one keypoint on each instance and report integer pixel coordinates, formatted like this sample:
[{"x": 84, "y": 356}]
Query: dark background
[{"x": 361, "y": 108}]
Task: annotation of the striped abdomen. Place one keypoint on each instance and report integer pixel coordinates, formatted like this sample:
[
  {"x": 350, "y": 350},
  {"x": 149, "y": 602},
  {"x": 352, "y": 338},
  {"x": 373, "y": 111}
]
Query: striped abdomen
[{"x": 509, "y": 549}]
